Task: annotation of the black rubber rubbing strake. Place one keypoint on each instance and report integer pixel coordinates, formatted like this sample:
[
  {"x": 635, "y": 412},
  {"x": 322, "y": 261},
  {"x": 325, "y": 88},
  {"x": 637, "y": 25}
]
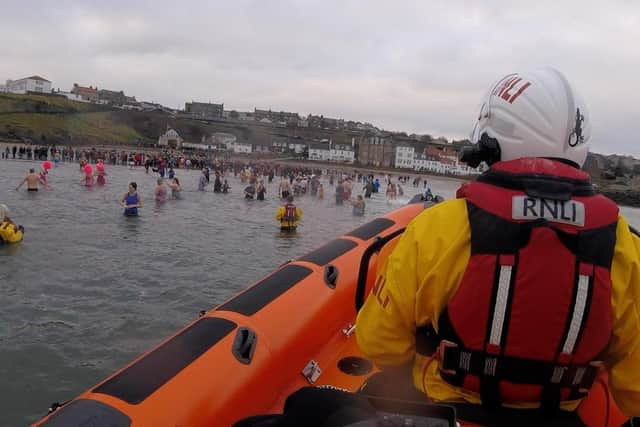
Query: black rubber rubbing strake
[
  {"x": 327, "y": 253},
  {"x": 85, "y": 412},
  {"x": 148, "y": 374},
  {"x": 371, "y": 229},
  {"x": 267, "y": 290}
]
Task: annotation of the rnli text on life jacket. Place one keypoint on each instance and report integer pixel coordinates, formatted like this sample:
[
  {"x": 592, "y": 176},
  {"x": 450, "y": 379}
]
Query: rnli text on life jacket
[{"x": 564, "y": 211}]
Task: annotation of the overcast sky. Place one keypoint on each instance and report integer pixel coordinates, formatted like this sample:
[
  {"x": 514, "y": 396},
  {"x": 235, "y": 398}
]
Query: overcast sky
[{"x": 409, "y": 66}]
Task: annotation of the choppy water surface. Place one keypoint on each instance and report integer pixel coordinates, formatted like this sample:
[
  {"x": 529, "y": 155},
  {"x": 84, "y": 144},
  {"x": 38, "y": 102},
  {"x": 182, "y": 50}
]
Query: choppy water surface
[{"x": 88, "y": 289}]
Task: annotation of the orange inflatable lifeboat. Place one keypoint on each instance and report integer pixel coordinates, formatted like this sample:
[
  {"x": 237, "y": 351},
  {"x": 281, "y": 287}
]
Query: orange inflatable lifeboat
[{"x": 293, "y": 328}]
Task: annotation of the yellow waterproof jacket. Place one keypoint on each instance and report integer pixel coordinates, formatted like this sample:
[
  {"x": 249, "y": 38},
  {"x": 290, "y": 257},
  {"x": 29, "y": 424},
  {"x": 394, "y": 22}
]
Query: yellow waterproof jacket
[
  {"x": 280, "y": 214},
  {"x": 10, "y": 233},
  {"x": 424, "y": 271}
]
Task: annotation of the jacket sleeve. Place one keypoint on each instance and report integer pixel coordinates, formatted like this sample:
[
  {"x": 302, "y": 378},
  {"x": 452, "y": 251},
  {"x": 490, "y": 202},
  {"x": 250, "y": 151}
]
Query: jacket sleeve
[
  {"x": 298, "y": 214},
  {"x": 279, "y": 213},
  {"x": 622, "y": 357}
]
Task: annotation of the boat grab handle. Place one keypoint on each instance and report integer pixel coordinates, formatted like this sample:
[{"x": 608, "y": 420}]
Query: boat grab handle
[
  {"x": 244, "y": 345},
  {"x": 331, "y": 275}
]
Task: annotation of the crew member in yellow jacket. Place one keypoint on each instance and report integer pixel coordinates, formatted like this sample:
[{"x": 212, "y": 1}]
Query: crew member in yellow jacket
[
  {"x": 516, "y": 292},
  {"x": 9, "y": 231},
  {"x": 288, "y": 215}
]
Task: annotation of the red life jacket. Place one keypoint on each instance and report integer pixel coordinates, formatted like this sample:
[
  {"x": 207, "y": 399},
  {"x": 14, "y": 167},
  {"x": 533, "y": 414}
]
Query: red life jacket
[
  {"x": 290, "y": 212},
  {"x": 533, "y": 310}
]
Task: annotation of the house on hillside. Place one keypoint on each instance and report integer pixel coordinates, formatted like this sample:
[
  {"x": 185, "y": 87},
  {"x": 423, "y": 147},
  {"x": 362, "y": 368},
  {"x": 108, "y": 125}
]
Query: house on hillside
[
  {"x": 112, "y": 97},
  {"x": 205, "y": 110},
  {"x": 87, "y": 93},
  {"x": 283, "y": 117},
  {"x": 28, "y": 84},
  {"x": 171, "y": 139}
]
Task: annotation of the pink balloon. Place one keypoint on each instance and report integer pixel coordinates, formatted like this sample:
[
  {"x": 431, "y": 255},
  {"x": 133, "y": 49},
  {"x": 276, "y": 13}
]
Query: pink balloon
[
  {"x": 46, "y": 164},
  {"x": 88, "y": 169}
]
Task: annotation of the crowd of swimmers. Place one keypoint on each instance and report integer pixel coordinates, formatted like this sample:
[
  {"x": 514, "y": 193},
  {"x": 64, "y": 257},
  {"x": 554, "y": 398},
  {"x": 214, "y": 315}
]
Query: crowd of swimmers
[{"x": 293, "y": 182}]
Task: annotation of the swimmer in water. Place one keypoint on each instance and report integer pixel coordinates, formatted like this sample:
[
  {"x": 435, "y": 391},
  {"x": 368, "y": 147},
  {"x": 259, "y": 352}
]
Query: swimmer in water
[
  {"x": 100, "y": 173},
  {"x": 10, "y": 232},
  {"x": 131, "y": 200},
  {"x": 43, "y": 175},
  {"x": 358, "y": 206},
  {"x": 32, "y": 180},
  {"x": 203, "y": 181},
  {"x": 175, "y": 188},
  {"x": 225, "y": 187},
  {"x": 88, "y": 176},
  {"x": 161, "y": 191}
]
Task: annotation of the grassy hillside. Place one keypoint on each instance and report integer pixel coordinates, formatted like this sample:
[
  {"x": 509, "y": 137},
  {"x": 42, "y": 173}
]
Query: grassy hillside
[
  {"x": 13, "y": 103},
  {"x": 55, "y": 119},
  {"x": 98, "y": 127}
]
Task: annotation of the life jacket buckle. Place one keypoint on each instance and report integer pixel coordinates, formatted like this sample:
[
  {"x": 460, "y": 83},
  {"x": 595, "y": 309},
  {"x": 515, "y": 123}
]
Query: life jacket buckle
[{"x": 446, "y": 355}]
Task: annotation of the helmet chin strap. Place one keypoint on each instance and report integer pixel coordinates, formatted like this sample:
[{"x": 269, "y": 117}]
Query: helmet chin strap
[{"x": 486, "y": 150}]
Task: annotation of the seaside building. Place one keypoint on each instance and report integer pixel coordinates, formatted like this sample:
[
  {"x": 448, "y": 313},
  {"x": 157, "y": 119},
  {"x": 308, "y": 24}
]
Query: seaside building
[
  {"x": 112, "y": 97},
  {"x": 282, "y": 117},
  {"x": 405, "y": 157},
  {"x": 322, "y": 122},
  {"x": 376, "y": 150},
  {"x": 86, "y": 93},
  {"x": 171, "y": 139},
  {"x": 28, "y": 84},
  {"x": 342, "y": 152},
  {"x": 242, "y": 147},
  {"x": 204, "y": 110},
  {"x": 319, "y": 151}
]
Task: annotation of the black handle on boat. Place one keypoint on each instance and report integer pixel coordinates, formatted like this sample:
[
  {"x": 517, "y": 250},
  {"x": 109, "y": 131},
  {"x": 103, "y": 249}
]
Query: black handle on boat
[
  {"x": 244, "y": 345},
  {"x": 331, "y": 275},
  {"x": 364, "y": 264}
]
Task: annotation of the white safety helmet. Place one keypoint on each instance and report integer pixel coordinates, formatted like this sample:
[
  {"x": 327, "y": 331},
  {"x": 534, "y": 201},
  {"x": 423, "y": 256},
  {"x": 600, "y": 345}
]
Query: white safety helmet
[{"x": 535, "y": 114}]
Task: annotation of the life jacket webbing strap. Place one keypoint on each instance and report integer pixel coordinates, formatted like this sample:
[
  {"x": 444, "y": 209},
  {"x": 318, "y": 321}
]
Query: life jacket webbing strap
[
  {"x": 499, "y": 313},
  {"x": 500, "y": 308},
  {"x": 550, "y": 400},
  {"x": 577, "y": 320}
]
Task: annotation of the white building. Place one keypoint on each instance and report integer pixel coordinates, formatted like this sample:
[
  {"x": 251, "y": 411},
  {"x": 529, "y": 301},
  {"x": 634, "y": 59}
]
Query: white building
[
  {"x": 405, "y": 157},
  {"x": 242, "y": 147},
  {"x": 223, "y": 138},
  {"x": 170, "y": 138},
  {"x": 423, "y": 163},
  {"x": 319, "y": 151},
  {"x": 29, "y": 84},
  {"x": 71, "y": 96},
  {"x": 261, "y": 148},
  {"x": 342, "y": 153},
  {"x": 194, "y": 146},
  {"x": 3, "y": 88},
  {"x": 297, "y": 147}
]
